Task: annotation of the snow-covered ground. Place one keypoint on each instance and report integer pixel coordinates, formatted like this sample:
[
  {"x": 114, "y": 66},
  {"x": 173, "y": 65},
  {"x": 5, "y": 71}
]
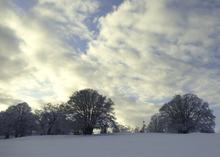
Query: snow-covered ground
[{"x": 133, "y": 145}]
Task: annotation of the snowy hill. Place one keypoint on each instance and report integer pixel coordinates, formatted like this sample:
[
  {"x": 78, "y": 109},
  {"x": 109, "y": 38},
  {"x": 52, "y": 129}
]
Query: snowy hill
[{"x": 134, "y": 145}]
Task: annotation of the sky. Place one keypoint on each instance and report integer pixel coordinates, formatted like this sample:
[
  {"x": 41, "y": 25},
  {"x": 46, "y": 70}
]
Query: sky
[{"x": 139, "y": 53}]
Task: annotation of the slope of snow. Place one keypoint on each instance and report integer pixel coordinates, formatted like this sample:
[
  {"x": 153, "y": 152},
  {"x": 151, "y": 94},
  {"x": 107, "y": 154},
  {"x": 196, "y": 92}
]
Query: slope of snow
[{"x": 133, "y": 145}]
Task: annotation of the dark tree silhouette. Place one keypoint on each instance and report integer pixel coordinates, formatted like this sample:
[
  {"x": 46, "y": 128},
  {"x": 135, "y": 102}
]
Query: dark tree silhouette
[
  {"x": 184, "y": 114},
  {"x": 6, "y": 125},
  {"x": 158, "y": 123},
  {"x": 143, "y": 128},
  {"x": 89, "y": 109},
  {"x": 18, "y": 120},
  {"x": 52, "y": 120}
]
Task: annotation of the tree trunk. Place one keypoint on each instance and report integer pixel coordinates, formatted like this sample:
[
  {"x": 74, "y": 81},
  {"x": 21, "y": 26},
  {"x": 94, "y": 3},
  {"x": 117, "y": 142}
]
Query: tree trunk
[
  {"x": 104, "y": 130},
  {"x": 7, "y": 136},
  {"x": 88, "y": 130},
  {"x": 183, "y": 131},
  {"x": 49, "y": 131},
  {"x": 16, "y": 134}
]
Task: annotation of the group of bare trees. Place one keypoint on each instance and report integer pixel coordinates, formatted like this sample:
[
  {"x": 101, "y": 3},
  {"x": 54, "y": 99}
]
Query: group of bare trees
[
  {"x": 87, "y": 109},
  {"x": 51, "y": 120}
]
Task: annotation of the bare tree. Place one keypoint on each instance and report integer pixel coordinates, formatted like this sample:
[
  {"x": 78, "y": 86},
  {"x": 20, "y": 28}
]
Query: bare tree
[
  {"x": 52, "y": 120},
  {"x": 6, "y": 124},
  {"x": 158, "y": 123},
  {"x": 184, "y": 114},
  {"x": 90, "y": 109},
  {"x": 143, "y": 128},
  {"x": 18, "y": 120}
]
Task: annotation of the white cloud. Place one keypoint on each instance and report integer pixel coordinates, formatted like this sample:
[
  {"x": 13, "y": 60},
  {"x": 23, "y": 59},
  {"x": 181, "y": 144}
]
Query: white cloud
[
  {"x": 70, "y": 17},
  {"x": 51, "y": 63}
]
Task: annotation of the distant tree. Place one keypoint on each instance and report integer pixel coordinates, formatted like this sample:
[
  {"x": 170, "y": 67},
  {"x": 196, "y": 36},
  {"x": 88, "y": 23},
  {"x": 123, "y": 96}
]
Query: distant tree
[
  {"x": 157, "y": 123},
  {"x": 89, "y": 109},
  {"x": 1, "y": 123},
  {"x": 143, "y": 129},
  {"x": 137, "y": 129},
  {"x": 52, "y": 120},
  {"x": 46, "y": 118},
  {"x": 122, "y": 129},
  {"x": 116, "y": 128},
  {"x": 184, "y": 114},
  {"x": 106, "y": 119},
  {"x": 6, "y": 125},
  {"x": 18, "y": 120}
]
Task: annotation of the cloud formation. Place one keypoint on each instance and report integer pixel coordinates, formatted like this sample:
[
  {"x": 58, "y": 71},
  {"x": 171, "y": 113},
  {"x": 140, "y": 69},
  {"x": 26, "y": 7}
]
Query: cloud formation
[
  {"x": 156, "y": 49},
  {"x": 142, "y": 53}
]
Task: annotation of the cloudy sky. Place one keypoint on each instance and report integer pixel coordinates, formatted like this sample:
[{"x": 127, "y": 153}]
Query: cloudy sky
[{"x": 138, "y": 52}]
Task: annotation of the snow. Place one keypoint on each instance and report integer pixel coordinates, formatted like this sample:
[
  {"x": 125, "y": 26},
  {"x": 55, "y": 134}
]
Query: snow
[{"x": 129, "y": 145}]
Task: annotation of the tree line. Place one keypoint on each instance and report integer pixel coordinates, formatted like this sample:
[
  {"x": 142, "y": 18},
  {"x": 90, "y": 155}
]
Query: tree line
[{"x": 87, "y": 110}]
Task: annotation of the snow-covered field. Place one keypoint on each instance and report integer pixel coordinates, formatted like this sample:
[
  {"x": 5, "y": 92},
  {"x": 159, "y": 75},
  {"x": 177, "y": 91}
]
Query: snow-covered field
[{"x": 133, "y": 145}]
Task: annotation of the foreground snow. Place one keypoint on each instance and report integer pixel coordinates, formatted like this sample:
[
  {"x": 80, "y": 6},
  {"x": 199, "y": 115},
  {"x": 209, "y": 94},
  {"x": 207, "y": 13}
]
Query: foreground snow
[{"x": 135, "y": 145}]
